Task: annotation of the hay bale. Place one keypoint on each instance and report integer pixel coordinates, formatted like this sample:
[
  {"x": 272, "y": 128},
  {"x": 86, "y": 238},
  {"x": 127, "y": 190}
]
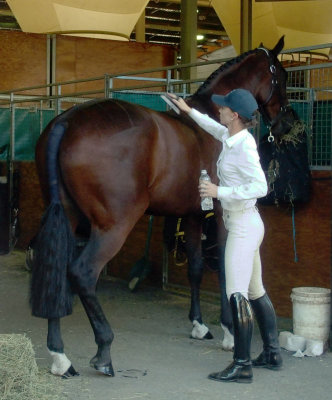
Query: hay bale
[{"x": 19, "y": 374}]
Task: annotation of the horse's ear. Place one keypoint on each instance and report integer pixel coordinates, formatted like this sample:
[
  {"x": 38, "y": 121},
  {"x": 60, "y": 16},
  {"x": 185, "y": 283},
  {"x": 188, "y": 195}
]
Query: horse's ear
[
  {"x": 261, "y": 45},
  {"x": 279, "y": 46}
]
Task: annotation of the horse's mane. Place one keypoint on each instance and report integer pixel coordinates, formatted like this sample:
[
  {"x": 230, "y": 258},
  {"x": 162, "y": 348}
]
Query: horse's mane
[{"x": 222, "y": 68}]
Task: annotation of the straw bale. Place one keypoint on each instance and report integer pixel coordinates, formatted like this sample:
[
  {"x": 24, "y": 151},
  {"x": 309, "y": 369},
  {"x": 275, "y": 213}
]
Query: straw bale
[{"x": 20, "y": 377}]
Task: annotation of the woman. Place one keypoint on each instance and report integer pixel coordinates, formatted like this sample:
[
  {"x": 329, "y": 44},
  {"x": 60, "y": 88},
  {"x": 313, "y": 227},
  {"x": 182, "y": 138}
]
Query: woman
[{"x": 242, "y": 181}]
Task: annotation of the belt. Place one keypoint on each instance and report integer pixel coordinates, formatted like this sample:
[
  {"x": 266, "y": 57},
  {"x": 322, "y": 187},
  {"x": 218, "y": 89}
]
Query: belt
[{"x": 243, "y": 211}]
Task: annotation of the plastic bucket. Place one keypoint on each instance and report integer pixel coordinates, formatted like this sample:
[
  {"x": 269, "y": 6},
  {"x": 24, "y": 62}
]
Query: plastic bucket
[{"x": 311, "y": 312}]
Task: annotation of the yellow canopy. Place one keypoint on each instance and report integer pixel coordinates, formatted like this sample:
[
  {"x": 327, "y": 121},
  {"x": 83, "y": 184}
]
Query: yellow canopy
[
  {"x": 110, "y": 19},
  {"x": 304, "y": 23}
]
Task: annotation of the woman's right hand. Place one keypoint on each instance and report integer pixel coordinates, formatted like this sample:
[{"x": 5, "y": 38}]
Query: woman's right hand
[{"x": 182, "y": 105}]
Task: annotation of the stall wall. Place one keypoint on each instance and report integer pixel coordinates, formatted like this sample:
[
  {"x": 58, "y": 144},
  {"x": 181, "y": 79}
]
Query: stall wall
[
  {"x": 23, "y": 61},
  {"x": 80, "y": 58},
  {"x": 281, "y": 270},
  {"x": 25, "y": 65}
]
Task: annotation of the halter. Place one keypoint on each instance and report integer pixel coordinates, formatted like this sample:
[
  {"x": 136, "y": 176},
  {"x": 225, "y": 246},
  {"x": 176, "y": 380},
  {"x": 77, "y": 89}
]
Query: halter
[{"x": 274, "y": 85}]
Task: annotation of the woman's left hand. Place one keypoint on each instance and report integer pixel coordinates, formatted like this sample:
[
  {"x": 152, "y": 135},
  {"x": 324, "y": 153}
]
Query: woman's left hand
[{"x": 208, "y": 189}]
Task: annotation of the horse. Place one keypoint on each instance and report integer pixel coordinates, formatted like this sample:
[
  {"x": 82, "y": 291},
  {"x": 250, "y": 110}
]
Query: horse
[{"x": 109, "y": 161}]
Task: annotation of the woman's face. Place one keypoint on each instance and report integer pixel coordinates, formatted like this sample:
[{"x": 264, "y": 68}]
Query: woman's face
[{"x": 226, "y": 115}]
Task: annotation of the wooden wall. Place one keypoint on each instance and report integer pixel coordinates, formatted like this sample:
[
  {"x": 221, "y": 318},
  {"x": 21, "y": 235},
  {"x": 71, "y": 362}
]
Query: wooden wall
[
  {"x": 23, "y": 60},
  {"x": 313, "y": 245},
  {"x": 79, "y": 58}
]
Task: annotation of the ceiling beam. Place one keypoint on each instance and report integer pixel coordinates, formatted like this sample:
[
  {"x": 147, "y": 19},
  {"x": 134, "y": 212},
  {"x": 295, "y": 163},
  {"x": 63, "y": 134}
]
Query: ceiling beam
[
  {"x": 203, "y": 3},
  {"x": 6, "y": 13},
  {"x": 178, "y": 29}
]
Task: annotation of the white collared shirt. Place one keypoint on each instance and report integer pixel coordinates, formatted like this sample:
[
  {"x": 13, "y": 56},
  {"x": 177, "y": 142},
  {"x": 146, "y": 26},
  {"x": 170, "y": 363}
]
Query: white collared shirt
[{"x": 241, "y": 178}]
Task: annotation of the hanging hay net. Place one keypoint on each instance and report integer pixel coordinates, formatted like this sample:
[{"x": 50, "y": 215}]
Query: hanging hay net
[{"x": 20, "y": 377}]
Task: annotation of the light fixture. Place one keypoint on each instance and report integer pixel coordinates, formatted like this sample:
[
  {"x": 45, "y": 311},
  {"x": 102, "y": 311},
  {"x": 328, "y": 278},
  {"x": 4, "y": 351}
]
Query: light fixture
[{"x": 200, "y": 37}]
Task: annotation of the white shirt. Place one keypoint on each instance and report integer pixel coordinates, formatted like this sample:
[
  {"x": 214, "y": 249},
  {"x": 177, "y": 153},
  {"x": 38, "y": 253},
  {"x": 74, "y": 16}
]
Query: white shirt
[{"x": 241, "y": 178}]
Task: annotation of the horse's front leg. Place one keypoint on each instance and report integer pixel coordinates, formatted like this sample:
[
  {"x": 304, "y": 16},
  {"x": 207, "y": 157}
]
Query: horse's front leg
[
  {"x": 193, "y": 229},
  {"x": 226, "y": 320},
  {"x": 61, "y": 365}
]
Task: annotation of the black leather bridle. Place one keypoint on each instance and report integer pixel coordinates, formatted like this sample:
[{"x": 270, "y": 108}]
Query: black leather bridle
[{"x": 274, "y": 86}]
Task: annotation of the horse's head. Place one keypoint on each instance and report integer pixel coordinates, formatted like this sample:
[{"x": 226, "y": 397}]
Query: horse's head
[
  {"x": 261, "y": 72},
  {"x": 271, "y": 92}
]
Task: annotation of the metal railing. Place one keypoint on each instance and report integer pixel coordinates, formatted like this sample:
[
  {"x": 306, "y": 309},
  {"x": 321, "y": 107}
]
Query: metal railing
[
  {"x": 309, "y": 85},
  {"x": 309, "y": 91}
]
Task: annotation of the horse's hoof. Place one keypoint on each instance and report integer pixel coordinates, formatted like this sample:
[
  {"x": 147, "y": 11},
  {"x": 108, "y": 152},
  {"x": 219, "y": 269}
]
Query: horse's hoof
[
  {"x": 133, "y": 284},
  {"x": 208, "y": 335},
  {"x": 105, "y": 369},
  {"x": 71, "y": 371},
  {"x": 200, "y": 331}
]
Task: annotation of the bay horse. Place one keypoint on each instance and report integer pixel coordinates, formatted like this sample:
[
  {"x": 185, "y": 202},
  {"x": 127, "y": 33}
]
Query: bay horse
[{"x": 110, "y": 161}]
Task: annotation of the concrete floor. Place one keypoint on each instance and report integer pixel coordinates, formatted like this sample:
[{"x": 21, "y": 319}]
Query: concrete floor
[{"x": 153, "y": 356}]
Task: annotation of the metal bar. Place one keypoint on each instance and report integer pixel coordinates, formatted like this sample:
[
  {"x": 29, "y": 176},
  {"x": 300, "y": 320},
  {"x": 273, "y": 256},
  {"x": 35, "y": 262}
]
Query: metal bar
[
  {"x": 140, "y": 78},
  {"x": 11, "y": 173},
  {"x": 41, "y": 119},
  {"x": 128, "y": 73},
  {"x": 58, "y": 101},
  {"x": 48, "y": 64},
  {"x": 106, "y": 86},
  {"x": 307, "y": 67},
  {"x": 305, "y": 49},
  {"x": 165, "y": 267}
]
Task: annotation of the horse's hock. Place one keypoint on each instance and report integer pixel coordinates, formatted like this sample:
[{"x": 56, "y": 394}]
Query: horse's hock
[{"x": 19, "y": 374}]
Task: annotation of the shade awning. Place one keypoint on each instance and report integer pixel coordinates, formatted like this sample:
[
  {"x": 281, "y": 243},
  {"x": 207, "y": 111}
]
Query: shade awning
[
  {"x": 304, "y": 23},
  {"x": 107, "y": 19}
]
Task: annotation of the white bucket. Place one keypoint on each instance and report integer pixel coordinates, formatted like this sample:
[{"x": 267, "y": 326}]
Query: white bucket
[{"x": 311, "y": 312}]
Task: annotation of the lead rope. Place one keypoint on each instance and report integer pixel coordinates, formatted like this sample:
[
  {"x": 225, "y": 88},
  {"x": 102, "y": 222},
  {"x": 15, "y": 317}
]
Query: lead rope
[
  {"x": 272, "y": 174},
  {"x": 294, "y": 234}
]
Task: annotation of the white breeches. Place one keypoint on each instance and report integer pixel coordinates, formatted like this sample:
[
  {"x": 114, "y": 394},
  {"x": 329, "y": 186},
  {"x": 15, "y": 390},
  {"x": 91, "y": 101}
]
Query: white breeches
[{"x": 242, "y": 259}]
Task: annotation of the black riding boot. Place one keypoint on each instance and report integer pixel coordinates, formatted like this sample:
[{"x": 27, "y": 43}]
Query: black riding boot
[
  {"x": 267, "y": 323},
  {"x": 240, "y": 369}
]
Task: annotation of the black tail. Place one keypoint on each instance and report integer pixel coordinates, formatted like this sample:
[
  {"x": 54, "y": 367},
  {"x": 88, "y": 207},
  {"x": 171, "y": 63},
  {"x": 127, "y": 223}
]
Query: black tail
[{"x": 50, "y": 292}]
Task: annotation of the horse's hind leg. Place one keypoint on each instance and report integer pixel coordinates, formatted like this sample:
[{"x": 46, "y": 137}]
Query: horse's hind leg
[
  {"x": 84, "y": 273},
  {"x": 193, "y": 229},
  {"x": 61, "y": 365}
]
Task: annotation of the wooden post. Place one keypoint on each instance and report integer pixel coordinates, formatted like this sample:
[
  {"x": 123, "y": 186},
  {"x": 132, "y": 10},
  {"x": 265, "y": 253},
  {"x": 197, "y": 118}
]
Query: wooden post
[
  {"x": 140, "y": 29},
  {"x": 246, "y": 26},
  {"x": 188, "y": 41}
]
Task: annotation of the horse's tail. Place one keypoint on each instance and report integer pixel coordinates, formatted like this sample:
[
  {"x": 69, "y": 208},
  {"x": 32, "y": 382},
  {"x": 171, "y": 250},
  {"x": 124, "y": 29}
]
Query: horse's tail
[{"x": 50, "y": 292}]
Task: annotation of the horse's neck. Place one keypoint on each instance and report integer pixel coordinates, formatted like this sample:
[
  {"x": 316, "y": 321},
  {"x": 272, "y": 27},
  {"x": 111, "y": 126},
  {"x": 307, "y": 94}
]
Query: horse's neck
[
  {"x": 238, "y": 74},
  {"x": 203, "y": 104}
]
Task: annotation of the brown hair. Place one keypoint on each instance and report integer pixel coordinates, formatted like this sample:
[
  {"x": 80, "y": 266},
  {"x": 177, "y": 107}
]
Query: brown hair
[{"x": 249, "y": 123}]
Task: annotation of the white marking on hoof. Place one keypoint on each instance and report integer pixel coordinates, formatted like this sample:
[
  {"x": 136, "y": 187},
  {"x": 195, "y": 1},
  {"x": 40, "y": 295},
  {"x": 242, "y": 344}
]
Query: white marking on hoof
[
  {"x": 228, "y": 340},
  {"x": 60, "y": 364},
  {"x": 133, "y": 283},
  {"x": 199, "y": 330}
]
